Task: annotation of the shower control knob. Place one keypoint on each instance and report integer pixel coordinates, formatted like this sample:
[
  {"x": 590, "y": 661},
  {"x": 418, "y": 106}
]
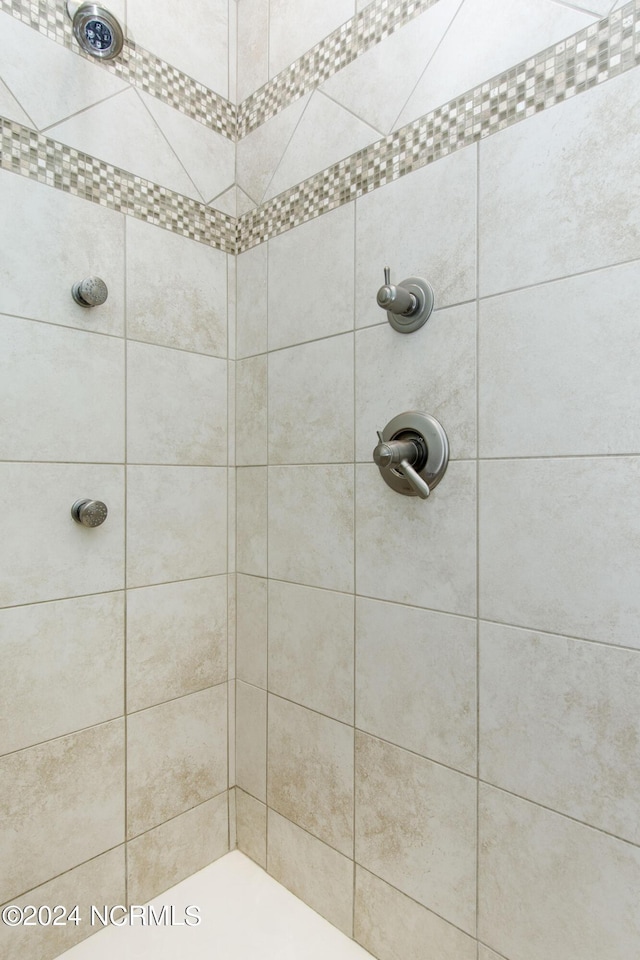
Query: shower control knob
[
  {"x": 408, "y": 304},
  {"x": 90, "y": 292},
  {"x": 90, "y": 513}
]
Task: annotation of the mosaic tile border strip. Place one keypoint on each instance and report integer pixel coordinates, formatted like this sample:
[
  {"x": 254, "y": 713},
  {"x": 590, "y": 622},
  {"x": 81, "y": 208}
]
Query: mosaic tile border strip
[
  {"x": 30, "y": 154},
  {"x": 135, "y": 65},
  {"x": 369, "y": 27},
  {"x": 596, "y": 53}
]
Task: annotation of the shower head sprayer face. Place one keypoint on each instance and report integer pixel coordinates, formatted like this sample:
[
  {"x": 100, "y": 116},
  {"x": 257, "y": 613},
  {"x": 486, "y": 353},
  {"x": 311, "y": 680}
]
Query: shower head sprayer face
[{"x": 96, "y": 30}]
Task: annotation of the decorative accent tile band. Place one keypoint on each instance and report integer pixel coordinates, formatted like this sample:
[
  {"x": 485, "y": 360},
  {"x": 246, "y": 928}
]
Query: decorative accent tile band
[
  {"x": 135, "y": 65},
  {"x": 375, "y": 22},
  {"x": 37, "y": 157},
  {"x": 593, "y": 55}
]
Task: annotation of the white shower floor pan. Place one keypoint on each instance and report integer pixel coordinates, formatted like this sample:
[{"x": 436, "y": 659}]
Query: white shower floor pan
[{"x": 245, "y": 915}]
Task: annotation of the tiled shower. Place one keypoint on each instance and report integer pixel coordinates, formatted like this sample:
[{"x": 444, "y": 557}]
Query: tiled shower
[{"x": 420, "y": 717}]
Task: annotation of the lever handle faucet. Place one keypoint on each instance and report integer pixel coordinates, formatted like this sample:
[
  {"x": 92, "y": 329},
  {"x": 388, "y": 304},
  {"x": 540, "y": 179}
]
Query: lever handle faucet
[
  {"x": 396, "y": 299},
  {"x": 402, "y": 454}
]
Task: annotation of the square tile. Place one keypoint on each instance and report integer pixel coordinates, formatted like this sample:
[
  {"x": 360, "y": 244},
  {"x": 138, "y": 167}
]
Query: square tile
[
  {"x": 47, "y": 556},
  {"x": 416, "y": 828},
  {"x": 46, "y": 416},
  {"x": 63, "y": 668},
  {"x": 310, "y": 779},
  {"x": 311, "y": 648},
  {"x": 64, "y": 800},
  {"x": 311, "y": 525},
  {"x": 416, "y": 681},
  {"x": 558, "y": 725},
  {"x": 176, "y": 757},
  {"x": 177, "y": 523},
  {"x": 176, "y": 407},
  {"x": 176, "y": 640},
  {"x": 537, "y": 864},
  {"x": 310, "y": 402},
  {"x": 545, "y": 562}
]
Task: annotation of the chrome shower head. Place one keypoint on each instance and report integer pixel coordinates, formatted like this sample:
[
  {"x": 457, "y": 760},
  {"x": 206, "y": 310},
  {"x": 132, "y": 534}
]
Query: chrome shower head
[{"x": 96, "y": 30}]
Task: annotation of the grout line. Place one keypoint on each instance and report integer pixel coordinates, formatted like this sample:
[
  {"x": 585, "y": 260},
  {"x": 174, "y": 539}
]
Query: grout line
[
  {"x": 267, "y": 576},
  {"x": 58, "y": 876},
  {"x": 199, "y": 197},
  {"x": 285, "y": 149},
  {"x": 351, "y": 112},
  {"x": 125, "y": 526},
  {"x": 51, "y": 127},
  {"x": 477, "y": 508},
  {"x": 428, "y": 64},
  {"x": 355, "y": 561}
]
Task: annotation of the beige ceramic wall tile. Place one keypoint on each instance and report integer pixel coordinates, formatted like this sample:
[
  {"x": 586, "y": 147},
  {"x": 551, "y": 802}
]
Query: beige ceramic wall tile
[
  {"x": 259, "y": 153},
  {"x": 377, "y": 84},
  {"x": 11, "y": 109},
  {"x": 556, "y": 351},
  {"x": 251, "y": 411},
  {"x": 551, "y": 887},
  {"x": 159, "y": 859},
  {"x": 310, "y": 777},
  {"x": 46, "y": 555},
  {"x": 176, "y": 407},
  {"x": 62, "y": 668},
  {"x": 85, "y": 421},
  {"x": 394, "y": 927},
  {"x": 64, "y": 801},
  {"x": 543, "y": 561},
  {"x": 435, "y": 566},
  {"x": 134, "y": 142},
  {"x": 176, "y": 640},
  {"x": 58, "y": 239},
  {"x": 252, "y": 827},
  {"x": 296, "y": 26},
  {"x": 311, "y": 525},
  {"x": 97, "y": 882},
  {"x": 176, "y": 757},
  {"x": 251, "y": 523},
  {"x": 252, "y": 630},
  {"x": 311, "y": 648},
  {"x": 444, "y": 255},
  {"x": 433, "y": 370},
  {"x": 326, "y": 133},
  {"x": 197, "y": 42},
  {"x": 416, "y": 828},
  {"x": 253, "y": 51},
  {"x": 311, "y": 279},
  {"x": 469, "y": 53},
  {"x": 176, "y": 290},
  {"x": 251, "y": 739},
  {"x": 252, "y": 302},
  {"x": 586, "y": 222},
  {"x": 416, "y": 681},
  {"x": 58, "y": 82},
  {"x": 207, "y": 156},
  {"x": 310, "y": 402},
  {"x": 177, "y": 523},
  {"x": 317, "y": 874},
  {"x": 558, "y": 725}
]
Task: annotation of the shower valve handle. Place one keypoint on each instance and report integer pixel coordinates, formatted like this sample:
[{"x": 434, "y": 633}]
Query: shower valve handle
[
  {"x": 401, "y": 454},
  {"x": 398, "y": 299}
]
